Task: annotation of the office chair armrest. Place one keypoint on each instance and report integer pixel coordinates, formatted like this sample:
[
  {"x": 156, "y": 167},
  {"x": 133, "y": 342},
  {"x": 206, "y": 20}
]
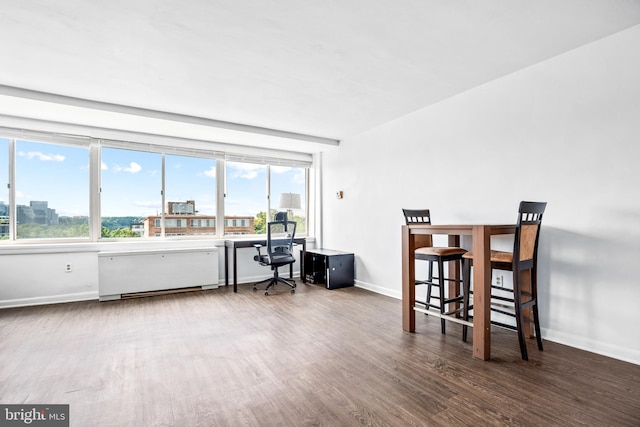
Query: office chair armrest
[{"x": 257, "y": 246}]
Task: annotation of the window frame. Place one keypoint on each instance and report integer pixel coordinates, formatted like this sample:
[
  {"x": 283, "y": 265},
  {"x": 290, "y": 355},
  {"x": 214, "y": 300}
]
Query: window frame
[{"x": 195, "y": 149}]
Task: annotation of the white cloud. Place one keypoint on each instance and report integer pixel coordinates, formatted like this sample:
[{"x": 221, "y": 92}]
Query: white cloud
[
  {"x": 133, "y": 168},
  {"x": 280, "y": 169},
  {"x": 42, "y": 156},
  {"x": 245, "y": 170},
  {"x": 104, "y": 166},
  {"x": 211, "y": 172}
]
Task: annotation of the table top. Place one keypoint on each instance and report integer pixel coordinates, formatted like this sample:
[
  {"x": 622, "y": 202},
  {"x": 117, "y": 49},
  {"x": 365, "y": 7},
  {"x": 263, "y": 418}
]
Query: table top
[
  {"x": 247, "y": 243},
  {"x": 461, "y": 229}
]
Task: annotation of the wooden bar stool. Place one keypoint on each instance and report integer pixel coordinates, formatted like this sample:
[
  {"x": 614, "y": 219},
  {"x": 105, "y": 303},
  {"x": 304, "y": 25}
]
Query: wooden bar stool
[
  {"x": 427, "y": 252},
  {"x": 522, "y": 300}
]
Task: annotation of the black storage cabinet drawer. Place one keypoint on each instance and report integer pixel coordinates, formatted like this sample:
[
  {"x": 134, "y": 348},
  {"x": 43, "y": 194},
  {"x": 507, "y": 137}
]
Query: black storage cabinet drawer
[{"x": 334, "y": 269}]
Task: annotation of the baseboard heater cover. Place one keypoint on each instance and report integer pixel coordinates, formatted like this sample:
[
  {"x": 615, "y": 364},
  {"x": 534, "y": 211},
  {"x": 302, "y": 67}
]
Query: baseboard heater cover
[{"x": 130, "y": 274}]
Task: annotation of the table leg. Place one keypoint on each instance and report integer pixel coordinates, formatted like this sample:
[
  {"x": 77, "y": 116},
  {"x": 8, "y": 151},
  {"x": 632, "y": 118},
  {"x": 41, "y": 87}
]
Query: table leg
[
  {"x": 408, "y": 280},
  {"x": 482, "y": 292}
]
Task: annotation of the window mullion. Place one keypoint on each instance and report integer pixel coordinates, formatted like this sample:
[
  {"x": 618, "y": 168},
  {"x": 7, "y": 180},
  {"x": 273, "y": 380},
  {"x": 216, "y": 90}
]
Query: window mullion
[{"x": 12, "y": 190}]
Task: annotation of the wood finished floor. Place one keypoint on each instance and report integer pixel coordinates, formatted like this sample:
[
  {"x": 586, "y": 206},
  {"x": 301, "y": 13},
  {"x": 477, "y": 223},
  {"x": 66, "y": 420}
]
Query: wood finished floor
[{"x": 313, "y": 358}]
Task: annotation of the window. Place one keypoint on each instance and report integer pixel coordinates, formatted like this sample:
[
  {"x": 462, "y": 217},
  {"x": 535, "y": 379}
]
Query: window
[
  {"x": 52, "y": 190},
  {"x": 190, "y": 188},
  {"x": 131, "y": 191},
  {"x": 139, "y": 190},
  {"x": 288, "y": 193},
  {"x": 245, "y": 197},
  {"x": 204, "y": 223}
]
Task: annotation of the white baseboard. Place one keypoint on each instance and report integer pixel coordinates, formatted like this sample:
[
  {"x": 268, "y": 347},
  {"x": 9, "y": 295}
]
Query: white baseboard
[
  {"x": 615, "y": 352},
  {"x": 377, "y": 289},
  {"x": 51, "y": 299}
]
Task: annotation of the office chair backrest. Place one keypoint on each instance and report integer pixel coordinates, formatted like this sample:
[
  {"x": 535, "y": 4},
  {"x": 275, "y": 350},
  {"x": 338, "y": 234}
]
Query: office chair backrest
[
  {"x": 280, "y": 235},
  {"x": 280, "y": 216},
  {"x": 528, "y": 231}
]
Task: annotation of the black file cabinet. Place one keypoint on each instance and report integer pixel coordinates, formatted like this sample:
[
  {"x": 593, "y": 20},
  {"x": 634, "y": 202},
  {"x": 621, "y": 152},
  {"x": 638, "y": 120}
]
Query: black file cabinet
[{"x": 332, "y": 268}]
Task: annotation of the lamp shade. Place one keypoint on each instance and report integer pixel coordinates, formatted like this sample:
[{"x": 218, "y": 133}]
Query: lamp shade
[{"x": 289, "y": 201}]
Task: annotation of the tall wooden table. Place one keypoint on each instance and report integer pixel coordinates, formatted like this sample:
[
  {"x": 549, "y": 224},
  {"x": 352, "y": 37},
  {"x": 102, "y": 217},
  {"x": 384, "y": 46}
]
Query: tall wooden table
[{"x": 481, "y": 235}]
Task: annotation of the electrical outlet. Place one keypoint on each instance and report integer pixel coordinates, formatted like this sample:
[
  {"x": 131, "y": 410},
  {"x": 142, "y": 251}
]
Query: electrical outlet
[
  {"x": 67, "y": 268},
  {"x": 498, "y": 280}
]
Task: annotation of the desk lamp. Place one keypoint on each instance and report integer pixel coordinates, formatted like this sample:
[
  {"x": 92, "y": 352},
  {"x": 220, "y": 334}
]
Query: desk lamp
[{"x": 289, "y": 201}]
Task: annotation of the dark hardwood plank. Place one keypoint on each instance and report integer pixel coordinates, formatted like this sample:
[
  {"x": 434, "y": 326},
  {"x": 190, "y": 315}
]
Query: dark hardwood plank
[{"x": 315, "y": 357}]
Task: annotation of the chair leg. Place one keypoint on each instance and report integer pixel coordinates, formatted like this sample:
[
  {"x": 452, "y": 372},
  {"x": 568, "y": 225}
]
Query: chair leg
[
  {"x": 466, "y": 291},
  {"x": 272, "y": 281},
  {"x": 429, "y": 281},
  {"x": 261, "y": 282},
  {"x": 442, "y": 296},
  {"x": 536, "y": 318},
  {"x": 519, "y": 315}
]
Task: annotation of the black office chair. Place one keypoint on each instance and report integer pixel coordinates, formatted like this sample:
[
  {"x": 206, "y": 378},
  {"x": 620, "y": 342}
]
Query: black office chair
[
  {"x": 427, "y": 252},
  {"x": 280, "y": 235},
  {"x": 280, "y": 216},
  {"x": 524, "y": 258}
]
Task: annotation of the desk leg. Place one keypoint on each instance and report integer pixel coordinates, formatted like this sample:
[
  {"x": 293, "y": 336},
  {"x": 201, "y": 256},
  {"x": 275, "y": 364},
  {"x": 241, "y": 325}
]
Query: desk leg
[
  {"x": 304, "y": 255},
  {"x": 482, "y": 292},
  {"x": 408, "y": 280},
  {"x": 235, "y": 269},
  {"x": 226, "y": 265}
]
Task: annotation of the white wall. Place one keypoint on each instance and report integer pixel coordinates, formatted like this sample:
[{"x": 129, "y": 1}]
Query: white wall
[
  {"x": 565, "y": 131},
  {"x": 35, "y": 274}
]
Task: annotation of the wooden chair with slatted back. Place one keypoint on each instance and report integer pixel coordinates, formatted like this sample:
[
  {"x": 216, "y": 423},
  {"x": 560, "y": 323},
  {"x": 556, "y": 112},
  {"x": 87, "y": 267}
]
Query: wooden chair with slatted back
[
  {"x": 520, "y": 302},
  {"x": 427, "y": 252}
]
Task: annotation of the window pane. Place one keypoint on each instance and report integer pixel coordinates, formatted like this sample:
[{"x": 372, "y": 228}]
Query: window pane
[
  {"x": 246, "y": 196},
  {"x": 52, "y": 190},
  {"x": 4, "y": 191},
  {"x": 288, "y": 194},
  {"x": 190, "y": 189},
  {"x": 130, "y": 199}
]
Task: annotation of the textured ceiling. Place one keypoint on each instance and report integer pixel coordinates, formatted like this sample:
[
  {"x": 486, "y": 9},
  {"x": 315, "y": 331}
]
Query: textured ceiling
[{"x": 330, "y": 68}]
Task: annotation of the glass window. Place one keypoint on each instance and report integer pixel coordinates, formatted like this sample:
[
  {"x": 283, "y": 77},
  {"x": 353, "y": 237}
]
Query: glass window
[
  {"x": 52, "y": 190},
  {"x": 246, "y": 196},
  {"x": 4, "y": 189},
  {"x": 288, "y": 194},
  {"x": 190, "y": 189},
  {"x": 131, "y": 184}
]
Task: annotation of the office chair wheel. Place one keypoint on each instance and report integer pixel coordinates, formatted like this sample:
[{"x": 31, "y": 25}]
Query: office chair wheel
[
  {"x": 266, "y": 292},
  {"x": 293, "y": 291}
]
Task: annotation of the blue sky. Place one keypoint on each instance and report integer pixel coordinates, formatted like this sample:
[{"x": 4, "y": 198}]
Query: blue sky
[{"x": 131, "y": 181}]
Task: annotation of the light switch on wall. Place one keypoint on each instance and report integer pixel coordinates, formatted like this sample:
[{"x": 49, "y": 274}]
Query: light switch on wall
[{"x": 339, "y": 194}]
